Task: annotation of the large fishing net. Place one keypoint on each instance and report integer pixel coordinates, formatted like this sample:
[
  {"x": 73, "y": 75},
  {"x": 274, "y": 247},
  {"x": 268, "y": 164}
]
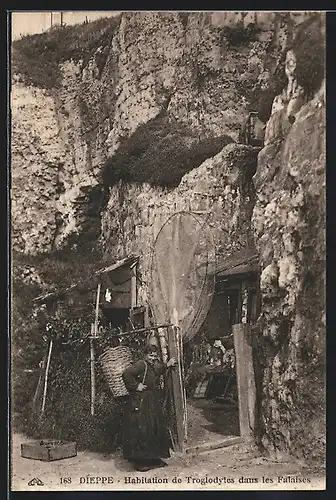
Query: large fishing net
[{"x": 181, "y": 284}]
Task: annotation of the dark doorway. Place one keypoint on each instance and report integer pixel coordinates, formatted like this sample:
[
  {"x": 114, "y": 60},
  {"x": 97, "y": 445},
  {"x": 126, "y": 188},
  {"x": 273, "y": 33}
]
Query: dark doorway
[{"x": 212, "y": 389}]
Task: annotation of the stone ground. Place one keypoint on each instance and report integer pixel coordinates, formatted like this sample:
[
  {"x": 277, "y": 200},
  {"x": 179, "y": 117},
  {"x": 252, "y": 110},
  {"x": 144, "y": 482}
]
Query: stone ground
[
  {"x": 210, "y": 421},
  {"x": 238, "y": 466}
]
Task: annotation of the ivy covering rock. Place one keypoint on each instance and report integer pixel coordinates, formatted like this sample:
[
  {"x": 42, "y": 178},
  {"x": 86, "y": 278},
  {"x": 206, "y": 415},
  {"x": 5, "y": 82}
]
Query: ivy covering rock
[{"x": 160, "y": 152}]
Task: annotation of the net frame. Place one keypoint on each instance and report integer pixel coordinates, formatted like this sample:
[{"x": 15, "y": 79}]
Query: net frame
[{"x": 201, "y": 304}]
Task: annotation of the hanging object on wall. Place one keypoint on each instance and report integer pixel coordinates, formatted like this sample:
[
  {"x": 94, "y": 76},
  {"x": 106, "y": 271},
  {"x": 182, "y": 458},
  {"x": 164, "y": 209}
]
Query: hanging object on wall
[
  {"x": 152, "y": 339},
  {"x": 253, "y": 131},
  {"x": 181, "y": 284}
]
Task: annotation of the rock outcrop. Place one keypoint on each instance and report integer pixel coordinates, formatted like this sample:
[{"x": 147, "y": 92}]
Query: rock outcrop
[{"x": 289, "y": 227}]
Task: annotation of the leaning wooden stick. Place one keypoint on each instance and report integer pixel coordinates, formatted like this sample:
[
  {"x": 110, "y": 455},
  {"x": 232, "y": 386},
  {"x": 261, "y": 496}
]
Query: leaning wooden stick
[
  {"x": 39, "y": 383},
  {"x": 46, "y": 374},
  {"x": 93, "y": 382},
  {"x": 92, "y": 353},
  {"x": 177, "y": 384}
]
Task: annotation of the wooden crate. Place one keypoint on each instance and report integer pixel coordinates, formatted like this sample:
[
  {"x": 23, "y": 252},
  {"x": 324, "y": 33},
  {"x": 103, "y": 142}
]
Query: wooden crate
[{"x": 48, "y": 450}]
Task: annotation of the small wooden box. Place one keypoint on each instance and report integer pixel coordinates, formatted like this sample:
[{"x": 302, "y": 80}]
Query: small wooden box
[{"x": 49, "y": 450}]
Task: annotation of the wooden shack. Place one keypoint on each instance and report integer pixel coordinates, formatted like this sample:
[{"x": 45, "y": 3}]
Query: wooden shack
[{"x": 118, "y": 298}]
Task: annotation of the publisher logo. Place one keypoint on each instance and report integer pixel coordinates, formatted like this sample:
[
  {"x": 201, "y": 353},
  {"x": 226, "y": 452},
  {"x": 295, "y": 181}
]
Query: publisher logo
[{"x": 35, "y": 482}]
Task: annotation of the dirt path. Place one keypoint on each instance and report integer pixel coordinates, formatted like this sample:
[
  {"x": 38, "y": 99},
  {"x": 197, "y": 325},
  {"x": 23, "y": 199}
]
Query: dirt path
[{"x": 233, "y": 467}]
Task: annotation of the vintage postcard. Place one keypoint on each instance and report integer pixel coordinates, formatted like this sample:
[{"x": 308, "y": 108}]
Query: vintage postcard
[{"x": 167, "y": 217}]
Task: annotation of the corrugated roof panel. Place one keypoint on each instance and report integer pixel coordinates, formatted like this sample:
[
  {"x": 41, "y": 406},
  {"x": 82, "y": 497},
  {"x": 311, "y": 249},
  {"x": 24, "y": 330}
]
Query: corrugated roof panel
[{"x": 241, "y": 262}]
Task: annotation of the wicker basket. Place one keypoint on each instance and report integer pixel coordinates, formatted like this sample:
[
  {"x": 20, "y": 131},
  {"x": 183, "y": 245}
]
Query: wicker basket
[{"x": 114, "y": 361}]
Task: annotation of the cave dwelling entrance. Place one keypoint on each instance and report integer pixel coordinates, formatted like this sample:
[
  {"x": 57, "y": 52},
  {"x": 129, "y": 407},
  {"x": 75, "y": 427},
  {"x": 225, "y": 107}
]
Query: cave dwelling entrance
[
  {"x": 220, "y": 364},
  {"x": 212, "y": 306}
]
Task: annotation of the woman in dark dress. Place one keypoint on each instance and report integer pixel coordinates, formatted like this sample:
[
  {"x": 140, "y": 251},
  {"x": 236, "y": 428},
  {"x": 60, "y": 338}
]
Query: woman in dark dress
[{"x": 145, "y": 436}]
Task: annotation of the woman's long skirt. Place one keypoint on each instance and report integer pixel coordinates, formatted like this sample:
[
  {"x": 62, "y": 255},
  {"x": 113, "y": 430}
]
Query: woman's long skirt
[{"x": 145, "y": 433}]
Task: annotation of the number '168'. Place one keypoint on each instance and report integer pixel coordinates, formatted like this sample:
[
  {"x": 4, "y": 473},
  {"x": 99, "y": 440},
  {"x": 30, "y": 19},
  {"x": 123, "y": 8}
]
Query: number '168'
[{"x": 65, "y": 480}]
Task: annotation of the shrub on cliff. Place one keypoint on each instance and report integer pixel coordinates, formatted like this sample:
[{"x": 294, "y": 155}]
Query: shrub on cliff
[
  {"x": 239, "y": 34},
  {"x": 37, "y": 57},
  {"x": 160, "y": 152},
  {"x": 309, "y": 47}
]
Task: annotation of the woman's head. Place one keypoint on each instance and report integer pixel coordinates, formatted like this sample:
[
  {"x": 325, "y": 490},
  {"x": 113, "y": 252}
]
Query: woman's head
[{"x": 151, "y": 353}]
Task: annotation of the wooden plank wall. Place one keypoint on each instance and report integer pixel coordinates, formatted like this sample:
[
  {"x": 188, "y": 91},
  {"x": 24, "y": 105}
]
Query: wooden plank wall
[{"x": 245, "y": 379}]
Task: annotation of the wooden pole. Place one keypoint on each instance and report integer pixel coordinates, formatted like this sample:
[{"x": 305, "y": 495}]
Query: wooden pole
[
  {"x": 97, "y": 308},
  {"x": 177, "y": 387},
  {"x": 163, "y": 345},
  {"x": 133, "y": 288},
  {"x": 143, "y": 330},
  {"x": 94, "y": 334},
  {"x": 93, "y": 381},
  {"x": 251, "y": 382},
  {"x": 182, "y": 381},
  {"x": 39, "y": 383},
  {"x": 238, "y": 336},
  {"x": 146, "y": 317},
  {"x": 46, "y": 374},
  {"x": 214, "y": 445}
]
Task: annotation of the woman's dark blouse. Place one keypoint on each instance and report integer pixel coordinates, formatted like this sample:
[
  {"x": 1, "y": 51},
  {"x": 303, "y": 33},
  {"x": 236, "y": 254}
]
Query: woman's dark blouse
[{"x": 133, "y": 375}]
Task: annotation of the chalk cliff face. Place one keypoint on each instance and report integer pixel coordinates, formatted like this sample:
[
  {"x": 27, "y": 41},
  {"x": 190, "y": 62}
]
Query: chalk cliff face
[
  {"x": 184, "y": 65},
  {"x": 190, "y": 69},
  {"x": 289, "y": 227},
  {"x": 36, "y": 159}
]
